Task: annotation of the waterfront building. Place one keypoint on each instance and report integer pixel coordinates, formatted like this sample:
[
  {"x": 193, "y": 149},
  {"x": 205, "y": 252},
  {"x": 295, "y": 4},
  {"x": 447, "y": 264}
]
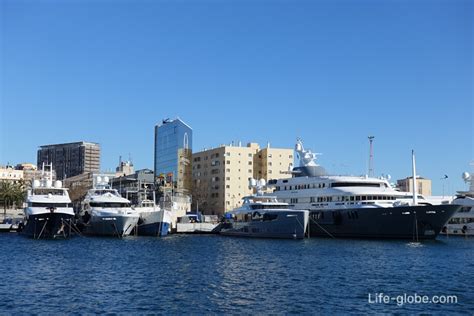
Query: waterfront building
[
  {"x": 26, "y": 166},
  {"x": 133, "y": 186},
  {"x": 173, "y": 154},
  {"x": 71, "y": 159},
  {"x": 423, "y": 185},
  {"x": 221, "y": 175},
  {"x": 10, "y": 174},
  {"x": 124, "y": 168}
]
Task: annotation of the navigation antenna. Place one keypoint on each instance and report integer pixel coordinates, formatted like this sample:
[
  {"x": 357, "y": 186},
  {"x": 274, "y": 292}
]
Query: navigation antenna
[{"x": 371, "y": 156}]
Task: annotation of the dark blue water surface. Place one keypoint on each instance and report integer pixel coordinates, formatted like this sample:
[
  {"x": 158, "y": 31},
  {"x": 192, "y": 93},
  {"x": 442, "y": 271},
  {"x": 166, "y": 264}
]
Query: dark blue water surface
[{"x": 214, "y": 274}]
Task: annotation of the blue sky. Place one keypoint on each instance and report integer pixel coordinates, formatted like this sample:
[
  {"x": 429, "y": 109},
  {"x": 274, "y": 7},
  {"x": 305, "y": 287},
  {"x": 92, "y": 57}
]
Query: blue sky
[{"x": 330, "y": 72}]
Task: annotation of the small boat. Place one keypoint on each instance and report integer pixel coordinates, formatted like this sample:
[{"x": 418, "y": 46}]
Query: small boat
[
  {"x": 153, "y": 220},
  {"x": 264, "y": 217}
]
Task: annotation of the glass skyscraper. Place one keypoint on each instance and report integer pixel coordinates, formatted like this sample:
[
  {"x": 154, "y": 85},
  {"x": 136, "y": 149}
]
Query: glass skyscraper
[{"x": 173, "y": 153}]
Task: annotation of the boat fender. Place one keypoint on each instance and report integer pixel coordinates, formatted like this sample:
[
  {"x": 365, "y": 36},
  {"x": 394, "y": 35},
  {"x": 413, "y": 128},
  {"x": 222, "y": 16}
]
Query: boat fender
[{"x": 464, "y": 229}]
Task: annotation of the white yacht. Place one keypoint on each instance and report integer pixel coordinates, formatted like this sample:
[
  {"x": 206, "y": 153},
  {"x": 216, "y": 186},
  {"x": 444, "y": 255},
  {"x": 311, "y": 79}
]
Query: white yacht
[
  {"x": 263, "y": 216},
  {"x": 361, "y": 207},
  {"x": 106, "y": 213},
  {"x": 153, "y": 221},
  {"x": 462, "y": 222},
  {"x": 48, "y": 211}
]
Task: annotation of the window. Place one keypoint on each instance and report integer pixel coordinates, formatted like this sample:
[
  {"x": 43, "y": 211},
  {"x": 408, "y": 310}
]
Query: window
[
  {"x": 269, "y": 155},
  {"x": 250, "y": 170},
  {"x": 228, "y": 162},
  {"x": 227, "y": 186},
  {"x": 227, "y": 170},
  {"x": 228, "y": 178},
  {"x": 250, "y": 163},
  {"x": 269, "y": 163},
  {"x": 354, "y": 184},
  {"x": 250, "y": 155}
]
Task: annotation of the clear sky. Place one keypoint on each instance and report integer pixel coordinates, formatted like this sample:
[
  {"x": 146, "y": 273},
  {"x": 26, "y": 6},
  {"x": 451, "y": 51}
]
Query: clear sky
[{"x": 331, "y": 72}]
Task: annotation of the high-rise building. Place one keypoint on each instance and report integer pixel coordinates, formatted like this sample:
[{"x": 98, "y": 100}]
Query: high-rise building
[
  {"x": 71, "y": 159},
  {"x": 221, "y": 175},
  {"x": 423, "y": 185},
  {"x": 173, "y": 154}
]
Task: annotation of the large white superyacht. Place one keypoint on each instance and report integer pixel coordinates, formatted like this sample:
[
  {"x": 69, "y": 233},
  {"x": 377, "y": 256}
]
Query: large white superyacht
[
  {"x": 48, "y": 211},
  {"x": 360, "y": 207},
  {"x": 106, "y": 213},
  {"x": 462, "y": 222},
  {"x": 264, "y": 217}
]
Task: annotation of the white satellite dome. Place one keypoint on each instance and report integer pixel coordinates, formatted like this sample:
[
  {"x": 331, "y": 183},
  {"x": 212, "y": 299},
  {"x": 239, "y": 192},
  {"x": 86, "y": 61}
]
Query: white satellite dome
[
  {"x": 106, "y": 179},
  {"x": 252, "y": 182},
  {"x": 466, "y": 176},
  {"x": 99, "y": 179},
  {"x": 262, "y": 182},
  {"x": 36, "y": 183},
  {"x": 58, "y": 184},
  {"x": 49, "y": 183}
]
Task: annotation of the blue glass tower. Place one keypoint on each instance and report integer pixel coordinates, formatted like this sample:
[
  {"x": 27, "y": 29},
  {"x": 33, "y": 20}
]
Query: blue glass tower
[{"x": 173, "y": 153}]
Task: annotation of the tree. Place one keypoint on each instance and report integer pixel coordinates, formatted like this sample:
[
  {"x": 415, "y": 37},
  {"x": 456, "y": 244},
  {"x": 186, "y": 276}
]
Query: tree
[
  {"x": 200, "y": 195},
  {"x": 12, "y": 193}
]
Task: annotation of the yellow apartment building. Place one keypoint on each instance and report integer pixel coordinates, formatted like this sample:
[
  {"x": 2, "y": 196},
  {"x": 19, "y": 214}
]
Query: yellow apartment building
[{"x": 221, "y": 175}]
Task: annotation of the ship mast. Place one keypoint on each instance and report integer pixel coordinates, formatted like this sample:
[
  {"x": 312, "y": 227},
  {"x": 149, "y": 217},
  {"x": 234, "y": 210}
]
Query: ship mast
[
  {"x": 371, "y": 156},
  {"x": 415, "y": 197}
]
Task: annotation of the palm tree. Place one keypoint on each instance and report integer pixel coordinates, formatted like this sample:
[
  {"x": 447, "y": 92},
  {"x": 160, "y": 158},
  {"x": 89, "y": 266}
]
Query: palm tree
[{"x": 11, "y": 193}]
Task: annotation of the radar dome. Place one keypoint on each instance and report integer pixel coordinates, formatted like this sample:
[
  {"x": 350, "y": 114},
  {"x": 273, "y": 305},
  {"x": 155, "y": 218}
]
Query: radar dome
[
  {"x": 252, "y": 182},
  {"x": 466, "y": 176},
  {"x": 49, "y": 183},
  {"x": 106, "y": 179},
  {"x": 36, "y": 183},
  {"x": 58, "y": 184},
  {"x": 99, "y": 179},
  {"x": 261, "y": 182}
]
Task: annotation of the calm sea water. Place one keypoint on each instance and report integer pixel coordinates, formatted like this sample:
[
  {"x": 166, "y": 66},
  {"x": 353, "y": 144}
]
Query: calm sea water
[{"x": 214, "y": 275}]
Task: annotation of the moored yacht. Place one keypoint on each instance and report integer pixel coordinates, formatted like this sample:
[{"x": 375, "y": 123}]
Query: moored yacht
[
  {"x": 153, "y": 220},
  {"x": 265, "y": 217},
  {"x": 462, "y": 222},
  {"x": 48, "y": 211},
  {"x": 360, "y": 207},
  {"x": 106, "y": 213}
]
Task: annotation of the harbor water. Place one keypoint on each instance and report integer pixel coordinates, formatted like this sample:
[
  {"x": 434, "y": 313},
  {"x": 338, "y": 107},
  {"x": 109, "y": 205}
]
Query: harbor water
[{"x": 208, "y": 274}]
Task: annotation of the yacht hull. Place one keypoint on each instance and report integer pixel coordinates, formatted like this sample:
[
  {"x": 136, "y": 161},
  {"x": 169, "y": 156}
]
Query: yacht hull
[
  {"x": 152, "y": 223},
  {"x": 286, "y": 226},
  {"x": 159, "y": 229},
  {"x": 404, "y": 222},
  {"x": 115, "y": 226},
  {"x": 48, "y": 226}
]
